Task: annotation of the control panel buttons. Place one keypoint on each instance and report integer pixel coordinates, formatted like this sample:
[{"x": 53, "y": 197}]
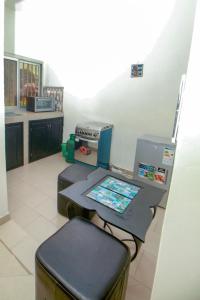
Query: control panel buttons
[{"x": 87, "y": 133}]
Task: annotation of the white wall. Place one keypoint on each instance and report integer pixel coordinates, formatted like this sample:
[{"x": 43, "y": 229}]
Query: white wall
[
  {"x": 3, "y": 187},
  {"x": 178, "y": 269},
  {"x": 89, "y": 47},
  {"x": 9, "y": 26}
]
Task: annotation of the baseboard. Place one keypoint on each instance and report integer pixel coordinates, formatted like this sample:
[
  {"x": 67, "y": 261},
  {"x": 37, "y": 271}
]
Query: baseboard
[{"x": 4, "y": 219}]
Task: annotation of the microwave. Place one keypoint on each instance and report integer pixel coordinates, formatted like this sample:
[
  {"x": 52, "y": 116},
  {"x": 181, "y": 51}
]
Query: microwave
[{"x": 40, "y": 104}]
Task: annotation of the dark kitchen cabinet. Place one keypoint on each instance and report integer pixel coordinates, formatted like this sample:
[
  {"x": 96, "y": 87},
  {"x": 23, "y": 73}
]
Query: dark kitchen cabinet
[
  {"x": 14, "y": 145},
  {"x": 45, "y": 138}
]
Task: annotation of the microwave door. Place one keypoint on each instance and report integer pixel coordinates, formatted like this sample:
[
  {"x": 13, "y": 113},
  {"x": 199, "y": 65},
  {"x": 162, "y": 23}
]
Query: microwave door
[
  {"x": 44, "y": 105},
  {"x": 86, "y": 151}
]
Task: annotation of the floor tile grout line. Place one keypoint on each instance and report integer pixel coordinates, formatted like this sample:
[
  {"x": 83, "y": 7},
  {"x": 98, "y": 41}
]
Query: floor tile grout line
[
  {"x": 31, "y": 236},
  {"x": 24, "y": 227},
  {"x": 40, "y": 216},
  {"x": 36, "y": 211},
  {"x": 15, "y": 276},
  {"x": 29, "y": 206},
  {"x": 35, "y": 187},
  {"x": 27, "y": 235},
  {"x": 10, "y": 251},
  {"x": 14, "y": 245},
  {"x": 141, "y": 283}
]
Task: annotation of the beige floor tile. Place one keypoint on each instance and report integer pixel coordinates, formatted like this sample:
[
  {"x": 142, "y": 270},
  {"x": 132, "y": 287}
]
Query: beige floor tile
[
  {"x": 96, "y": 220},
  {"x": 137, "y": 291},
  {"x": 35, "y": 199},
  {"x": 13, "y": 201},
  {"x": 10, "y": 266},
  {"x": 11, "y": 233},
  {"x": 152, "y": 225},
  {"x": 160, "y": 214},
  {"x": 146, "y": 269},
  {"x": 59, "y": 220},
  {"x": 32, "y": 170},
  {"x": 134, "y": 264},
  {"x": 156, "y": 224},
  {"x": 17, "y": 288},
  {"x": 21, "y": 189},
  {"x": 41, "y": 229},
  {"x": 20, "y": 195},
  {"x": 54, "y": 165},
  {"x": 25, "y": 252},
  {"x": 24, "y": 215},
  {"x": 48, "y": 209},
  {"x": 152, "y": 242},
  {"x": 120, "y": 234},
  {"x": 44, "y": 170},
  {"x": 152, "y": 239},
  {"x": 56, "y": 161},
  {"x": 49, "y": 188},
  {"x": 36, "y": 177},
  {"x": 14, "y": 178}
]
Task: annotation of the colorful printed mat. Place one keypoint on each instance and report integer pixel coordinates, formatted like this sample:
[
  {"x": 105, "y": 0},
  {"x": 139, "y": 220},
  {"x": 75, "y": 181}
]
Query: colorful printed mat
[{"x": 114, "y": 193}]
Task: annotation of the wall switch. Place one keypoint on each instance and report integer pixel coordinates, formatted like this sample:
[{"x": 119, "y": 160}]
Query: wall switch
[{"x": 136, "y": 70}]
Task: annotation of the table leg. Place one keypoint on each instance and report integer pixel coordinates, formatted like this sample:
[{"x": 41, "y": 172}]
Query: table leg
[
  {"x": 138, "y": 244},
  {"x": 106, "y": 225},
  {"x": 136, "y": 241},
  {"x": 154, "y": 211}
]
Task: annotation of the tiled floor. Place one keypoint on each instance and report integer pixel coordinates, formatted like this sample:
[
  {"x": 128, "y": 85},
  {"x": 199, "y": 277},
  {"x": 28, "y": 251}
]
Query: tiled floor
[{"x": 34, "y": 217}]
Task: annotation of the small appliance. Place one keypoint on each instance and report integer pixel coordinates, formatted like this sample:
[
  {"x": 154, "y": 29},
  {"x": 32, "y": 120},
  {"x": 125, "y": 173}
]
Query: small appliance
[
  {"x": 40, "y": 104},
  {"x": 93, "y": 143}
]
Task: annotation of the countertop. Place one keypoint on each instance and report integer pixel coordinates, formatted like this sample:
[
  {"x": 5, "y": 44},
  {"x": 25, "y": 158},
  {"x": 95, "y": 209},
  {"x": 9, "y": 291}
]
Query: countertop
[{"x": 25, "y": 116}]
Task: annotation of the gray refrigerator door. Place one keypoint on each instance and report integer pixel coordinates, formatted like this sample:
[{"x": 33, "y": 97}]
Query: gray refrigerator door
[{"x": 154, "y": 162}]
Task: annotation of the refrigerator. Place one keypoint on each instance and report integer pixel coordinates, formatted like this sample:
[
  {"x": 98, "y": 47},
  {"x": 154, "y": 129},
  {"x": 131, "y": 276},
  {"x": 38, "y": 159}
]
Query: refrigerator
[{"x": 154, "y": 161}]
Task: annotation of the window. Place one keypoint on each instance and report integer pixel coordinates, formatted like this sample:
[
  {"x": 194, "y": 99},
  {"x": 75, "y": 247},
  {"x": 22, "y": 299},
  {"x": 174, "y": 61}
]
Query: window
[
  {"x": 29, "y": 81},
  {"x": 22, "y": 78},
  {"x": 10, "y": 82}
]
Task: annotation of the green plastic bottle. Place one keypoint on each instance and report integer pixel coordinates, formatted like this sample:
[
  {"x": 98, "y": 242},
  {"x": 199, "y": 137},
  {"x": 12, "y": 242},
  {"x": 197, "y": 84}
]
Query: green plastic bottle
[
  {"x": 63, "y": 149},
  {"x": 70, "y": 147}
]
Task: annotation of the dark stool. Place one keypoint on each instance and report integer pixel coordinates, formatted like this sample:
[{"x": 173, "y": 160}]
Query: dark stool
[
  {"x": 69, "y": 176},
  {"x": 82, "y": 261}
]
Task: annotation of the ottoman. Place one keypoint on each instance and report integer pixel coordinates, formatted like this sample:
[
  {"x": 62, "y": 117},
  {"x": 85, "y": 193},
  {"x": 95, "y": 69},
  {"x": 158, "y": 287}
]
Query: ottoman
[
  {"x": 82, "y": 261},
  {"x": 70, "y": 175}
]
